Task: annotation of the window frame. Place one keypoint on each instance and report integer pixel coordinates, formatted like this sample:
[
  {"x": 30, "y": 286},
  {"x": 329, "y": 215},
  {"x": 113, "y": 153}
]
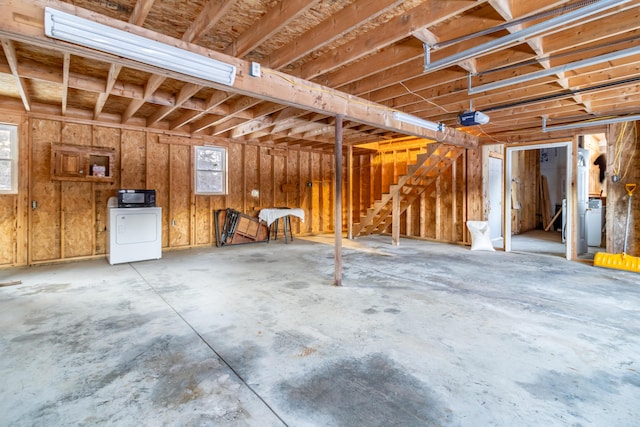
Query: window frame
[
  {"x": 13, "y": 157},
  {"x": 199, "y": 187}
]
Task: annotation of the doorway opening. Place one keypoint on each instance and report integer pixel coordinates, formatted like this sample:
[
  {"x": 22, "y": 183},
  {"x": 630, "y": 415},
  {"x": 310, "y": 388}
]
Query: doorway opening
[{"x": 519, "y": 203}]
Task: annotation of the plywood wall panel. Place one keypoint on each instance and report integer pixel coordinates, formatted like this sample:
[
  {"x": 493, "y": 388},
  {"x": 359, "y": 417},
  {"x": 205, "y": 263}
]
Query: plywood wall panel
[
  {"x": 459, "y": 199},
  {"x": 133, "y": 157},
  {"x": 252, "y": 192},
  {"x": 77, "y": 219},
  {"x": 76, "y": 134},
  {"x": 203, "y": 218},
  {"x": 236, "y": 190},
  {"x": 402, "y": 157},
  {"x": 180, "y": 195},
  {"x": 157, "y": 178},
  {"x": 623, "y": 139},
  {"x": 279, "y": 174},
  {"x": 376, "y": 175},
  {"x": 474, "y": 187},
  {"x": 315, "y": 167},
  {"x": 446, "y": 205},
  {"x": 266, "y": 178},
  {"x": 306, "y": 191},
  {"x": 294, "y": 188},
  {"x": 107, "y": 137},
  {"x": 388, "y": 171},
  {"x": 327, "y": 193},
  {"x": 430, "y": 211},
  {"x": 8, "y": 226},
  {"x": 44, "y": 235}
]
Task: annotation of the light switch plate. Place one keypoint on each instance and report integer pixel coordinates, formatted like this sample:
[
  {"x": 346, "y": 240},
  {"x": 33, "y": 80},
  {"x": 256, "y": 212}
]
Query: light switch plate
[{"x": 255, "y": 69}]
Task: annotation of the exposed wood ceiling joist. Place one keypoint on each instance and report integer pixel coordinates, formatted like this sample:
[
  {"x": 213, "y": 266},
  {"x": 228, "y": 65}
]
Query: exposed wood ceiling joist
[{"x": 357, "y": 58}]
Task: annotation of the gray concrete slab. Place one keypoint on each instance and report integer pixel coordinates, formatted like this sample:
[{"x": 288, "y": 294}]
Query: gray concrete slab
[{"x": 420, "y": 334}]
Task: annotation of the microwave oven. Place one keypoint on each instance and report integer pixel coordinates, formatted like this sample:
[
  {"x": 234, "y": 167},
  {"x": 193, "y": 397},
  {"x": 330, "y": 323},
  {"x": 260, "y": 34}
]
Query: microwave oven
[{"x": 136, "y": 198}]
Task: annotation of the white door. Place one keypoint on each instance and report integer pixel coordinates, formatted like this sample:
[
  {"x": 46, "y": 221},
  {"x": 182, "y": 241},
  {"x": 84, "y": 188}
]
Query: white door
[{"x": 495, "y": 198}]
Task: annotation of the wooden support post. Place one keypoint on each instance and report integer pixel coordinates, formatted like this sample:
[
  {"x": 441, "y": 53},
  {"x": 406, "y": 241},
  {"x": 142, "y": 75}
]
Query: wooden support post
[
  {"x": 349, "y": 198},
  {"x": 395, "y": 217},
  {"x": 338, "y": 203}
]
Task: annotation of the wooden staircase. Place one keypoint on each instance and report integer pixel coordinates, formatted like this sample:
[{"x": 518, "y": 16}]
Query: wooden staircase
[{"x": 409, "y": 187}]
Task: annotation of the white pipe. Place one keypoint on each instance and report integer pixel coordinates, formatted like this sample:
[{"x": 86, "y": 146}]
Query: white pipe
[
  {"x": 588, "y": 123},
  {"x": 559, "y": 69},
  {"x": 522, "y": 35}
]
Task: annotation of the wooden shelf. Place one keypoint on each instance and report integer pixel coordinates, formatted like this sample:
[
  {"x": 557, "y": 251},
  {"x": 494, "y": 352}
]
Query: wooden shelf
[{"x": 82, "y": 163}]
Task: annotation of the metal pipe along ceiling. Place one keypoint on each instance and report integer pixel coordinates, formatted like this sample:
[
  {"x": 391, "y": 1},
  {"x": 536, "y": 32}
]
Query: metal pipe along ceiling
[{"x": 519, "y": 36}]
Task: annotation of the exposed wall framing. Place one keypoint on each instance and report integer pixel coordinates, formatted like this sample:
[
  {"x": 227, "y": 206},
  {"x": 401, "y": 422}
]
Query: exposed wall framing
[{"x": 69, "y": 220}]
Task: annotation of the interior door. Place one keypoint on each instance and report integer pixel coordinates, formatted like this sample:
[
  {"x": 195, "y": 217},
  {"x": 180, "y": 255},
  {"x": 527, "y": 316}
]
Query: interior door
[{"x": 495, "y": 197}]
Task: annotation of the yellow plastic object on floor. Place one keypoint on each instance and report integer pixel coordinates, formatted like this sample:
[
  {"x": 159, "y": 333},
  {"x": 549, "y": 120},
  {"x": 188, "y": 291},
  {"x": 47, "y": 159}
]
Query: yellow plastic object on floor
[{"x": 618, "y": 261}]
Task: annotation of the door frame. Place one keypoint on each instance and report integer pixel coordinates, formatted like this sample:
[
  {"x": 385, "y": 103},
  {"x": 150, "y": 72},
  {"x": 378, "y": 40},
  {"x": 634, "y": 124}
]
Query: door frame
[
  {"x": 568, "y": 191},
  {"x": 500, "y": 210}
]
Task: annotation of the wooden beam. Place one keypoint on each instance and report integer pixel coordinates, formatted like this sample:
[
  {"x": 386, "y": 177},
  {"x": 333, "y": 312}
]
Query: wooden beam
[
  {"x": 186, "y": 92},
  {"x": 114, "y": 70},
  {"x": 65, "y": 82},
  {"x": 429, "y": 13},
  {"x": 272, "y": 86},
  {"x": 337, "y": 228},
  {"x": 351, "y": 16},
  {"x": 12, "y": 58},
  {"x": 277, "y": 18},
  {"x": 213, "y": 11}
]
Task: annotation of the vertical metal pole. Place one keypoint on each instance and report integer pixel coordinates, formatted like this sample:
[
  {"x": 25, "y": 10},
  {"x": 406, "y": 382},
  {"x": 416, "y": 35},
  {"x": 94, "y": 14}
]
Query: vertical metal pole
[
  {"x": 349, "y": 197},
  {"x": 338, "y": 203}
]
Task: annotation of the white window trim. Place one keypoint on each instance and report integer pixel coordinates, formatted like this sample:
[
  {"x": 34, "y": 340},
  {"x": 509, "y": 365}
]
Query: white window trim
[
  {"x": 199, "y": 186},
  {"x": 13, "y": 130}
]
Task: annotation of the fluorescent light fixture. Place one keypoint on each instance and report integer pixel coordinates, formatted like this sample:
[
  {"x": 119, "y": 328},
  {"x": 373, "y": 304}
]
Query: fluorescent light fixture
[
  {"x": 559, "y": 69},
  {"x": 71, "y": 28},
  {"x": 413, "y": 120},
  {"x": 521, "y": 36},
  {"x": 588, "y": 123}
]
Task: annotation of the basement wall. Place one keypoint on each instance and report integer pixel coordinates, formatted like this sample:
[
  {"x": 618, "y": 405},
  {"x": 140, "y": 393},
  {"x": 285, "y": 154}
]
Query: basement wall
[{"x": 69, "y": 222}]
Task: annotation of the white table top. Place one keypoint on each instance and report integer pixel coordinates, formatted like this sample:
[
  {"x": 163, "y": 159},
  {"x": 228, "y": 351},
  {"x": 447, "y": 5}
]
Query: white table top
[{"x": 270, "y": 215}]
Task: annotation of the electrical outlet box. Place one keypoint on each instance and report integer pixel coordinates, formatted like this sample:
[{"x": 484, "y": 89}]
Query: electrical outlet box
[{"x": 255, "y": 69}]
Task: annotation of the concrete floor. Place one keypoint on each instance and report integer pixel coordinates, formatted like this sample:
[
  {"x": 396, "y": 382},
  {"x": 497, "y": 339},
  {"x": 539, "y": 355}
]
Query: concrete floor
[{"x": 422, "y": 334}]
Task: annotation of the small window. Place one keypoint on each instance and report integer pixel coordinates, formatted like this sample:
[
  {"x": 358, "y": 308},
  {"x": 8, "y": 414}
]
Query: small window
[
  {"x": 8, "y": 159},
  {"x": 211, "y": 170}
]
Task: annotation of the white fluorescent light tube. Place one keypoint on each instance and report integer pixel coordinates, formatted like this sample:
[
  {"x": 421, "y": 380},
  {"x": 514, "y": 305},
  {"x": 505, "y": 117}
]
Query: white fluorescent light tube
[
  {"x": 559, "y": 69},
  {"x": 588, "y": 123},
  {"x": 71, "y": 28},
  {"x": 413, "y": 120},
  {"x": 522, "y": 35}
]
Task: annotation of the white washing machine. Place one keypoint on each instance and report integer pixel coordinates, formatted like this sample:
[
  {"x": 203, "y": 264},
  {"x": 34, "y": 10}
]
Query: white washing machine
[{"x": 134, "y": 234}]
